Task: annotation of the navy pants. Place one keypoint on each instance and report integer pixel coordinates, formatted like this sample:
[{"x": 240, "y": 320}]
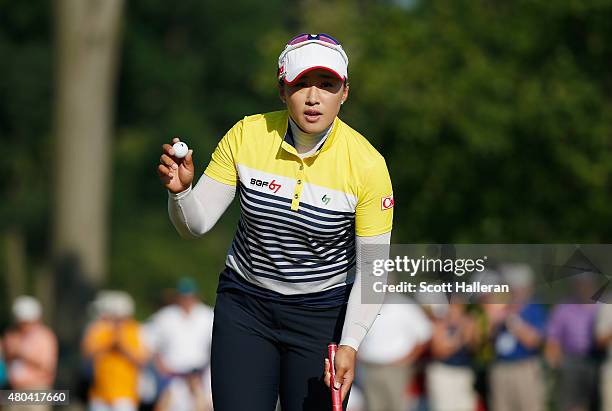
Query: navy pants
[{"x": 262, "y": 349}]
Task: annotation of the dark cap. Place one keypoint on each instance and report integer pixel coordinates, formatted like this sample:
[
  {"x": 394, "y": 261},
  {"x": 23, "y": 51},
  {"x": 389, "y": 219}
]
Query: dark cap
[{"x": 186, "y": 286}]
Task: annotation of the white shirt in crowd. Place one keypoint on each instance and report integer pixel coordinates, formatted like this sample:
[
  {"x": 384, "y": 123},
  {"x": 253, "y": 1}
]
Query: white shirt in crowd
[
  {"x": 399, "y": 328},
  {"x": 181, "y": 339}
]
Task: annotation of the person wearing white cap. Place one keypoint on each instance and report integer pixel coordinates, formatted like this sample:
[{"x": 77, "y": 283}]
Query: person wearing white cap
[
  {"x": 312, "y": 192},
  {"x": 30, "y": 349},
  {"x": 114, "y": 345}
]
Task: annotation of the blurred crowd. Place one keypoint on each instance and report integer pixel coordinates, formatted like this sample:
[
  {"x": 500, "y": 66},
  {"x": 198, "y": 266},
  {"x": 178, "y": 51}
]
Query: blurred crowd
[
  {"x": 490, "y": 355},
  {"x": 160, "y": 365},
  {"x": 448, "y": 356}
]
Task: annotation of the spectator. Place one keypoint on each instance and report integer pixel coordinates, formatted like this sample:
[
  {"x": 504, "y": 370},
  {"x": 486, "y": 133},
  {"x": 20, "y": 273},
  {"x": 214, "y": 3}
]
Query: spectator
[
  {"x": 3, "y": 377},
  {"x": 387, "y": 354},
  {"x": 570, "y": 347},
  {"x": 517, "y": 331},
  {"x": 30, "y": 349},
  {"x": 603, "y": 335},
  {"x": 180, "y": 335},
  {"x": 114, "y": 345},
  {"x": 450, "y": 377}
]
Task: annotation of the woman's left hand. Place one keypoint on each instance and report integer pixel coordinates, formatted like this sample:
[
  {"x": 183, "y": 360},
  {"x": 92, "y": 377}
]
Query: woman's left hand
[{"x": 345, "y": 369}]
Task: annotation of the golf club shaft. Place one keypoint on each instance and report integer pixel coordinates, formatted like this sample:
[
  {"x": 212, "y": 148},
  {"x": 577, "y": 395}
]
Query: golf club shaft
[{"x": 335, "y": 394}]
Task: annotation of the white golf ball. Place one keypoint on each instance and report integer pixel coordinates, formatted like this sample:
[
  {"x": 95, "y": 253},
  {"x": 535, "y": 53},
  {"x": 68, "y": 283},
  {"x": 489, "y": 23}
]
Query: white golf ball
[{"x": 180, "y": 149}]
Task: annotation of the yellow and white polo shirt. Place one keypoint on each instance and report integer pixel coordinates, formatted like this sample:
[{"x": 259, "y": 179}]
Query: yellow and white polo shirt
[{"x": 296, "y": 235}]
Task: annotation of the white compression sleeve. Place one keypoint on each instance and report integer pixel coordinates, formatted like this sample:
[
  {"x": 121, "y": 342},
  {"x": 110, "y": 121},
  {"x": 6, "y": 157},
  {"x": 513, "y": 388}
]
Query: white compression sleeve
[
  {"x": 359, "y": 316},
  {"x": 195, "y": 211}
]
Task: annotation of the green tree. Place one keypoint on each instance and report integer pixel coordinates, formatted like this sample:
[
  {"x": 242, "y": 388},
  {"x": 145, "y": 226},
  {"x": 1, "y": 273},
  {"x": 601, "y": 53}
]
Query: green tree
[{"x": 493, "y": 117}]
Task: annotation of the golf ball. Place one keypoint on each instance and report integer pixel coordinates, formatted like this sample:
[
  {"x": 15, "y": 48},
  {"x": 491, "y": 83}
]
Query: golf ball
[{"x": 180, "y": 149}]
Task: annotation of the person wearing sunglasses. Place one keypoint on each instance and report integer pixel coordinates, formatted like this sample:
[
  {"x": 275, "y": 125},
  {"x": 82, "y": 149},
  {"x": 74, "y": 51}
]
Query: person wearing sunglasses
[{"x": 315, "y": 199}]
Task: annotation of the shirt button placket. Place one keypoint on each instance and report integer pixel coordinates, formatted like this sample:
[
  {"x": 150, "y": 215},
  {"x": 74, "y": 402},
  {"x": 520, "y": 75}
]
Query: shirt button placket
[{"x": 299, "y": 177}]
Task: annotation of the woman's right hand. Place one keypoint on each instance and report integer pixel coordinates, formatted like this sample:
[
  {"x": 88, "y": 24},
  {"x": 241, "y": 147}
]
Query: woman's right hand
[{"x": 176, "y": 174}]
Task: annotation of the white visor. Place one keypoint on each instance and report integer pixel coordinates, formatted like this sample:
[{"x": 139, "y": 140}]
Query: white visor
[{"x": 311, "y": 56}]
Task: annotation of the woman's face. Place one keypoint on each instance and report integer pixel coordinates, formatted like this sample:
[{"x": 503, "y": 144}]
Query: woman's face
[{"x": 314, "y": 100}]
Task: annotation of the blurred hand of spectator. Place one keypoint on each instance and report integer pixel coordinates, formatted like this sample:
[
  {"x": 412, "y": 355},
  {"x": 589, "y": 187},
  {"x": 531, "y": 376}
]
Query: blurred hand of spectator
[
  {"x": 135, "y": 354},
  {"x": 496, "y": 315},
  {"x": 112, "y": 336},
  {"x": 552, "y": 353},
  {"x": 163, "y": 370},
  {"x": 98, "y": 340},
  {"x": 11, "y": 346},
  {"x": 15, "y": 351},
  {"x": 603, "y": 329},
  {"x": 451, "y": 336},
  {"x": 194, "y": 382},
  {"x": 529, "y": 336}
]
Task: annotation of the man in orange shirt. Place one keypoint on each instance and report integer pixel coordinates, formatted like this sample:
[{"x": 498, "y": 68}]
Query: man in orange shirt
[
  {"x": 30, "y": 349},
  {"x": 114, "y": 344}
]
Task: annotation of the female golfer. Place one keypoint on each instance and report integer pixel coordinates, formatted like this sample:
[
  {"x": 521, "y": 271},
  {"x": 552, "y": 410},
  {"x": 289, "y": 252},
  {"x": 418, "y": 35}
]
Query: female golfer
[{"x": 312, "y": 192}]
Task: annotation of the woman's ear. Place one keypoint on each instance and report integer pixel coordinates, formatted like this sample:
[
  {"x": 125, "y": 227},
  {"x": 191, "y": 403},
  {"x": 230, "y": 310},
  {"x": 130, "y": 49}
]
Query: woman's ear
[{"x": 345, "y": 93}]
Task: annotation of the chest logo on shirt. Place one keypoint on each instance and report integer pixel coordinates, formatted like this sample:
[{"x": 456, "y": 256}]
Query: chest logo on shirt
[
  {"x": 272, "y": 185},
  {"x": 325, "y": 199},
  {"x": 387, "y": 202}
]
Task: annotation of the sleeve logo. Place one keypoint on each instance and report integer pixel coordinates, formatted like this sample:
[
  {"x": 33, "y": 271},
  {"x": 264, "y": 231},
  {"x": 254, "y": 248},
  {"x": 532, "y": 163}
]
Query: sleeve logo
[{"x": 387, "y": 202}]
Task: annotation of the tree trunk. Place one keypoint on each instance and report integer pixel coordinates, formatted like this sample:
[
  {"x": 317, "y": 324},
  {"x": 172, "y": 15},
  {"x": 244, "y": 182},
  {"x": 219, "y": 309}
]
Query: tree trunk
[
  {"x": 87, "y": 50},
  {"x": 87, "y": 38}
]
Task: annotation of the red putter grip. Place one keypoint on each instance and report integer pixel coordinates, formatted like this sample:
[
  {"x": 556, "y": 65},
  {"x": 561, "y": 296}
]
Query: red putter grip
[{"x": 335, "y": 394}]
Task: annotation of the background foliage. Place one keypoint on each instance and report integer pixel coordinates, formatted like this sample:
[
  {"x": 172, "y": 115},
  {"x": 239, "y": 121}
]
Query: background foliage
[{"x": 494, "y": 118}]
